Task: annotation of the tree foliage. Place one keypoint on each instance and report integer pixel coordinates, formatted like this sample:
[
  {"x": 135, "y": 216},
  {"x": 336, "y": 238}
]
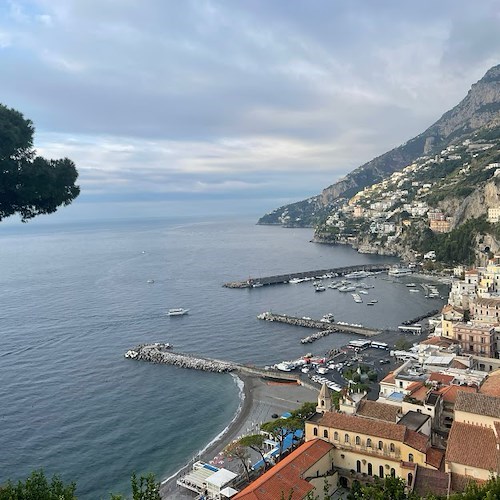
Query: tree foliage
[
  {"x": 392, "y": 488},
  {"x": 37, "y": 487},
  {"x": 30, "y": 185},
  {"x": 236, "y": 450},
  {"x": 281, "y": 428}
]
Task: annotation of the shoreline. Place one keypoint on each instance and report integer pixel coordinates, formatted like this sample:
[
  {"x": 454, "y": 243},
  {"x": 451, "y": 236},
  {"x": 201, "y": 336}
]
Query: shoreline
[{"x": 260, "y": 400}]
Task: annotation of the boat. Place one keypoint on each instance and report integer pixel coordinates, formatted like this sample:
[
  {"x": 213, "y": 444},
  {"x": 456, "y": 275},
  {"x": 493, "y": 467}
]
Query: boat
[
  {"x": 410, "y": 285},
  {"x": 150, "y": 281},
  {"x": 357, "y": 275},
  {"x": 357, "y": 298},
  {"x": 414, "y": 291},
  {"x": 363, "y": 292},
  {"x": 319, "y": 288},
  {"x": 347, "y": 288},
  {"x": 294, "y": 281},
  {"x": 400, "y": 271},
  {"x": 257, "y": 285},
  {"x": 178, "y": 311}
]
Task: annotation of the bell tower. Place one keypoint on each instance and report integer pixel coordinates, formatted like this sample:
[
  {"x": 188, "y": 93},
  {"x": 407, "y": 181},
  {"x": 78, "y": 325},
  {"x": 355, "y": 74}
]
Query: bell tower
[{"x": 324, "y": 400}]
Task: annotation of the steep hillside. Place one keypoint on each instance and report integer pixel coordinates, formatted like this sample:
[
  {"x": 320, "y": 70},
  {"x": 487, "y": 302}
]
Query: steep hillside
[{"x": 480, "y": 108}]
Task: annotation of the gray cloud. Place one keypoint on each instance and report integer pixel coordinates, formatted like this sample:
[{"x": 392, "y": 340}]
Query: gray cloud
[{"x": 221, "y": 97}]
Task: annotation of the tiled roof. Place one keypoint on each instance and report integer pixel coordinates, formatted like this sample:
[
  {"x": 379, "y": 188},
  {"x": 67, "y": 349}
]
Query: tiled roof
[
  {"x": 491, "y": 385},
  {"x": 287, "y": 474},
  {"x": 439, "y": 341},
  {"x": 416, "y": 440},
  {"x": 459, "y": 482},
  {"x": 389, "y": 379},
  {"x": 434, "y": 457},
  {"x": 457, "y": 364},
  {"x": 450, "y": 392},
  {"x": 363, "y": 425},
  {"x": 430, "y": 482},
  {"x": 378, "y": 411},
  {"x": 473, "y": 446},
  {"x": 414, "y": 386},
  {"x": 480, "y": 404},
  {"x": 484, "y": 301},
  {"x": 441, "y": 378}
]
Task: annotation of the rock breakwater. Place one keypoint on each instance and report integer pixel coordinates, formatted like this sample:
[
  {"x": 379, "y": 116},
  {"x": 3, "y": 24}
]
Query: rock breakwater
[{"x": 159, "y": 353}]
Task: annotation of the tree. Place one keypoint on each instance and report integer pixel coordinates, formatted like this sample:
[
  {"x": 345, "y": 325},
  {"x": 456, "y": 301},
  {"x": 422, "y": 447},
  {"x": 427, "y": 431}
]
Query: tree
[
  {"x": 256, "y": 443},
  {"x": 30, "y": 185},
  {"x": 281, "y": 428},
  {"x": 37, "y": 487},
  {"x": 236, "y": 450},
  {"x": 392, "y": 488},
  {"x": 144, "y": 488},
  {"x": 304, "y": 412}
]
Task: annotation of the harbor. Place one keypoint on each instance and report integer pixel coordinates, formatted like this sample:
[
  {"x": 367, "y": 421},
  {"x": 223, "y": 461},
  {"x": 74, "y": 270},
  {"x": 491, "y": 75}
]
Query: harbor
[
  {"x": 307, "y": 322},
  {"x": 308, "y": 275}
]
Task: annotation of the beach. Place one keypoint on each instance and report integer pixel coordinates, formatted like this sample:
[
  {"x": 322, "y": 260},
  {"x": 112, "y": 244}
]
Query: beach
[{"x": 262, "y": 399}]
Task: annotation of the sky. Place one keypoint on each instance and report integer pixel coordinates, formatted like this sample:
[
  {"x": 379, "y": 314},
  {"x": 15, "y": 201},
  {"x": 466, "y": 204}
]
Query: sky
[{"x": 233, "y": 105}]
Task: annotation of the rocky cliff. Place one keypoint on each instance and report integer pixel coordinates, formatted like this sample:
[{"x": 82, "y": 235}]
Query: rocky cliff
[{"x": 480, "y": 107}]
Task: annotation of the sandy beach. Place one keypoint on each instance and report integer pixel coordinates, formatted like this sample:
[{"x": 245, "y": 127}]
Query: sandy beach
[{"x": 262, "y": 400}]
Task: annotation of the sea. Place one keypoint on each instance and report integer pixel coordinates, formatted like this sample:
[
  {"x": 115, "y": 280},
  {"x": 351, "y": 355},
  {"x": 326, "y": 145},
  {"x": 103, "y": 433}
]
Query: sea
[{"x": 75, "y": 296}]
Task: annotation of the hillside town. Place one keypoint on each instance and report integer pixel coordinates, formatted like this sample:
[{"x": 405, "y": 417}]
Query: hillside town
[
  {"x": 427, "y": 194},
  {"x": 435, "y": 424}
]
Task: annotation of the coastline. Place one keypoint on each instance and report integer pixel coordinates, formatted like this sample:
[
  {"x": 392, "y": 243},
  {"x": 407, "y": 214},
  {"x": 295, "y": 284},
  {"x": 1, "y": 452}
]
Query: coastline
[{"x": 260, "y": 399}]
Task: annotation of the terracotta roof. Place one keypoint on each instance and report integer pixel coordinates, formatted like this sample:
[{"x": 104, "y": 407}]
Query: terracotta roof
[
  {"x": 416, "y": 440},
  {"x": 471, "y": 271},
  {"x": 457, "y": 364},
  {"x": 449, "y": 393},
  {"x": 378, "y": 411},
  {"x": 430, "y": 482},
  {"x": 484, "y": 301},
  {"x": 441, "y": 378},
  {"x": 389, "y": 379},
  {"x": 480, "y": 404},
  {"x": 491, "y": 385},
  {"x": 434, "y": 457},
  {"x": 459, "y": 482},
  {"x": 473, "y": 446},
  {"x": 287, "y": 474},
  {"x": 414, "y": 386}
]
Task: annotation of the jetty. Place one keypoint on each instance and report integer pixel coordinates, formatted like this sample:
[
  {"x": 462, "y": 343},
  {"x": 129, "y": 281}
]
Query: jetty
[
  {"x": 317, "y": 274},
  {"x": 160, "y": 354},
  {"x": 319, "y": 325}
]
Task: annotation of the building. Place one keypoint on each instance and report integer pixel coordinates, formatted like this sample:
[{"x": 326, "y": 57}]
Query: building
[
  {"x": 303, "y": 471},
  {"x": 494, "y": 215},
  {"x": 486, "y": 310},
  {"x": 440, "y": 226},
  {"x": 476, "y": 339},
  {"x": 474, "y": 443}
]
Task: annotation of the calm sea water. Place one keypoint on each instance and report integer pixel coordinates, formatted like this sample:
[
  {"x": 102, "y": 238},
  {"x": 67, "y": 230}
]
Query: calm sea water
[{"x": 75, "y": 297}]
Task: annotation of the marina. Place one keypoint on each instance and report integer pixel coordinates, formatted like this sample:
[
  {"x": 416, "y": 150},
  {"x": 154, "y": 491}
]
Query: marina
[{"x": 294, "y": 278}]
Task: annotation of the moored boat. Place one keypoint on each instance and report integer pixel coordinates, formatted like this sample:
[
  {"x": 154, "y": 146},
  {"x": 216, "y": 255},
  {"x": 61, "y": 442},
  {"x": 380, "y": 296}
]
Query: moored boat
[{"x": 177, "y": 311}]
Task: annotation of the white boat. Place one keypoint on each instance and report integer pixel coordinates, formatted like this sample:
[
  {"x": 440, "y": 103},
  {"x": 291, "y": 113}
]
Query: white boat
[
  {"x": 347, "y": 289},
  {"x": 285, "y": 367},
  {"x": 305, "y": 369},
  {"x": 178, "y": 311},
  {"x": 414, "y": 291},
  {"x": 410, "y": 285},
  {"x": 357, "y": 275},
  {"x": 363, "y": 292},
  {"x": 257, "y": 285},
  {"x": 357, "y": 298},
  {"x": 294, "y": 281},
  {"x": 319, "y": 288},
  {"x": 150, "y": 281},
  {"x": 400, "y": 271}
]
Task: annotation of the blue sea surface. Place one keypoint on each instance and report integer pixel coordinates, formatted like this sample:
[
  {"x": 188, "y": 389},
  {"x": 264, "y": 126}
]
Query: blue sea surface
[{"x": 75, "y": 297}]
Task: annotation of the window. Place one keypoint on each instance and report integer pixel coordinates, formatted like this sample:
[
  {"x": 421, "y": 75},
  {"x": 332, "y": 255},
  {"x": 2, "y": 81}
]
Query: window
[
  {"x": 346, "y": 438},
  {"x": 381, "y": 471},
  {"x": 393, "y": 472},
  {"x": 410, "y": 479},
  {"x": 336, "y": 436},
  {"x": 325, "y": 433},
  {"x": 369, "y": 443},
  {"x": 392, "y": 448},
  {"x": 410, "y": 458},
  {"x": 370, "y": 470},
  {"x": 358, "y": 440},
  {"x": 315, "y": 431},
  {"x": 400, "y": 384},
  {"x": 380, "y": 445},
  {"x": 358, "y": 466}
]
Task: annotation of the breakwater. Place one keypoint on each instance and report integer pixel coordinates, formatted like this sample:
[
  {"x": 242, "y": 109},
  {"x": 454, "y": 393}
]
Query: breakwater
[
  {"x": 421, "y": 317},
  {"x": 157, "y": 353},
  {"x": 319, "y": 325},
  {"x": 319, "y": 274}
]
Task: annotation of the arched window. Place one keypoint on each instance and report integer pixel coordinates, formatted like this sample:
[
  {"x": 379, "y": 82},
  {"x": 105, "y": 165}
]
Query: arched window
[
  {"x": 381, "y": 471},
  {"x": 358, "y": 465},
  {"x": 336, "y": 436},
  {"x": 325, "y": 433},
  {"x": 392, "y": 447},
  {"x": 393, "y": 472},
  {"x": 410, "y": 457},
  {"x": 322, "y": 402},
  {"x": 410, "y": 479},
  {"x": 380, "y": 445},
  {"x": 315, "y": 431},
  {"x": 346, "y": 438},
  {"x": 369, "y": 443},
  {"x": 358, "y": 440},
  {"x": 370, "y": 469}
]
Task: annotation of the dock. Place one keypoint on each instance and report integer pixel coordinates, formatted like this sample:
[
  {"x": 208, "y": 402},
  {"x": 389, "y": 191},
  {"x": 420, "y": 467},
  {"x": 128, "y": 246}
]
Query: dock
[
  {"x": 159, "y": 354},
  {"x": 319, "y": 273},
  {"x": 319, "y": 325}
]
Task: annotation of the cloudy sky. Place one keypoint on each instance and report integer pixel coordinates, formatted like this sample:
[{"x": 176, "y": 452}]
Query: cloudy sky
[{"x": 249, "y": 103}]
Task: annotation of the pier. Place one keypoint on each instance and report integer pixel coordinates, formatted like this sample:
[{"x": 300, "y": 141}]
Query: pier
[
  {"x": 319, "y": 325},
  {"x": 320, "y": 273},
  {"x": 160, "y": 354}
]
